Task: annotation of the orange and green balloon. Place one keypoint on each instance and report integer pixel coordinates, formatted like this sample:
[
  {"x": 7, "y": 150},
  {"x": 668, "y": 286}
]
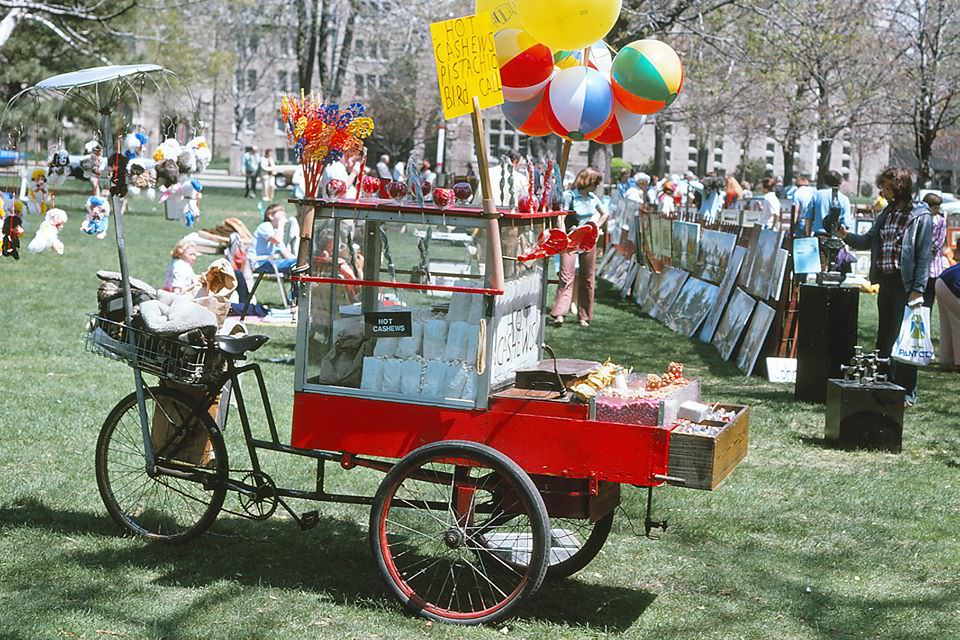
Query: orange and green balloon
[{"x": 647, "y": 76}]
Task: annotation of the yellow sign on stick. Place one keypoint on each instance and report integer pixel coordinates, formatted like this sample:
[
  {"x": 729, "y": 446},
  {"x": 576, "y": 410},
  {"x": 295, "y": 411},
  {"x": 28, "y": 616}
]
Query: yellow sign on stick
[{"x": 467, "y": 64}]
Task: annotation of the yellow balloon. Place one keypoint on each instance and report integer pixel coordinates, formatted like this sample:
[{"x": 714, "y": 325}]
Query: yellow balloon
[
  {"x": 568, "y": 24},
  {"x": 503, "y": 12}
]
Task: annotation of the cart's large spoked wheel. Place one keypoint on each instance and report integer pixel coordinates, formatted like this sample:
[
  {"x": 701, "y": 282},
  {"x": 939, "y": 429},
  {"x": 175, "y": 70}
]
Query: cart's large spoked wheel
[
  {"x": 574, "y": 543},
  {"x": 182, "y": 497},
  {"x": 446, "y": 543}
]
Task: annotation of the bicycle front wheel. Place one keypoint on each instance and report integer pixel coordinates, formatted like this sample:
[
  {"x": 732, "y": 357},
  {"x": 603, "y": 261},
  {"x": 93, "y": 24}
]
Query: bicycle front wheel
[{"x": 182, "y": 496}]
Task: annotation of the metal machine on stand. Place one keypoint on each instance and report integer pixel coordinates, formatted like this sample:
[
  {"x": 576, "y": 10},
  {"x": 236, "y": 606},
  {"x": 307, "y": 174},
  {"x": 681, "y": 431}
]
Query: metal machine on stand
[{"x": 864, "y": 409}]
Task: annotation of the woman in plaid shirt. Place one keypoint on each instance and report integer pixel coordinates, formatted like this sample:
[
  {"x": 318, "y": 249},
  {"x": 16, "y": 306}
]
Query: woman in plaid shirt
[{"x": 900, "y": 251}]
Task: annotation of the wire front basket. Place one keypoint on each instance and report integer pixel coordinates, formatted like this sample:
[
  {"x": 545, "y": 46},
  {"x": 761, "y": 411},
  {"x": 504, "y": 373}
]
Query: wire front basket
[{"x": 166, "y": 357}]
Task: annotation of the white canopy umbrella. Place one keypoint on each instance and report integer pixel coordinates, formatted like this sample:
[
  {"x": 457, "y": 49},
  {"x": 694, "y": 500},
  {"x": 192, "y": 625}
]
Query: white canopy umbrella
[{"x": 102, "y": 88}]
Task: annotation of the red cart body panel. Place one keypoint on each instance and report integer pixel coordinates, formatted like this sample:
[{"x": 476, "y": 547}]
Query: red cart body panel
[{"x": 543, "y": 437}]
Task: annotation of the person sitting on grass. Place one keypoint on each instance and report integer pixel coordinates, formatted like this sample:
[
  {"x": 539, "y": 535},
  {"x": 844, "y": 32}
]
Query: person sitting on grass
[{"x": 180, "y": 277}]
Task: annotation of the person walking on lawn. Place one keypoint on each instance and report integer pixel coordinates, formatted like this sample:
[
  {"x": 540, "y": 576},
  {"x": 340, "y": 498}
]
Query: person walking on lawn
[{"x": 251, "y": 167}]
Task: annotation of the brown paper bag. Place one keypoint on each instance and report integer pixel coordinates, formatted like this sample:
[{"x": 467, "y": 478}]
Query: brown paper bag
[{"x": 168, "y": 438}]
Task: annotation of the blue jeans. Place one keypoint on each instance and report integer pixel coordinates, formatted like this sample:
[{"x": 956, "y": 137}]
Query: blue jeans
[{"x": 283, "y": 265}]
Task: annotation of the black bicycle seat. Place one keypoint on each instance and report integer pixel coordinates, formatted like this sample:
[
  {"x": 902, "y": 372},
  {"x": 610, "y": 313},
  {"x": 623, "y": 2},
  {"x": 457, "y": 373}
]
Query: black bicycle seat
[{"x": 239, "y": 345}]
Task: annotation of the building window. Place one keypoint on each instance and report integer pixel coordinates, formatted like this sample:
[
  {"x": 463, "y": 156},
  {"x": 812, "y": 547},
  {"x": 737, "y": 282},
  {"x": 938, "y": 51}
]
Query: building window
[
  {"x": 501, "y": 134},
  {"x": 251, "y": 80},
  {"x": 771, "y": 147},
  {"x": 250, "y": 121},
  {"x": 718, "y": 157},
  {"x": 281, "y": 154},
  {"x": 692, "y": 157},
  {"x": 254, "y": 43},
  {"x": 238, "y": 79},
  {"x": 378, "y": 50},
  {"x": 358, "y": 86}
]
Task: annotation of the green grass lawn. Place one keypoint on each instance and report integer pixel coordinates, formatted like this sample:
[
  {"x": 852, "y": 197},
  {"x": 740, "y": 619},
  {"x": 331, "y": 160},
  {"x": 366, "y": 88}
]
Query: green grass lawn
[{"x": 802, "y": 541}]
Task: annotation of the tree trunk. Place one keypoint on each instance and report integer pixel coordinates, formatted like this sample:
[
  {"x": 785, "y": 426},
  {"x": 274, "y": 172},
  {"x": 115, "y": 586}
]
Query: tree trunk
[
  {"x": 703, "y": 158},
  {"x": 323, "y": 37},
  {"x": 237, "y": 118},
  {"x": 307, "y": 24},
  {"x": 924, "y": 148},
  {"x": 791, "y": 139},
  {"x": 823, "y": 161},
  {"x": 599, "y": 157},
  {"x": 346, "y": 50},
  {"x": 788, "y": 165},
  {"x": 659, "y": 134}
]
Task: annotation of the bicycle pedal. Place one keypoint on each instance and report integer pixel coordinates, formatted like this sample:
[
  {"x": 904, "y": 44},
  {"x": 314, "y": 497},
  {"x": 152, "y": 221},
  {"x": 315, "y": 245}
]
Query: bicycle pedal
[{"x": 309, "y": 520}]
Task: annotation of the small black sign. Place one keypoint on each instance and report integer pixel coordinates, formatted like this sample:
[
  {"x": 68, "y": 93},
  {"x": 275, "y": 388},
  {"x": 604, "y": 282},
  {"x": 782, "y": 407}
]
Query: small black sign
[{"x": 388, "y": 324}]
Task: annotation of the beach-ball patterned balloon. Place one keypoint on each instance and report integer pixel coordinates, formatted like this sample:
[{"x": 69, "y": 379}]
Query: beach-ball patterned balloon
[
  {"x": 647, "y": 76},
  {"x": 528, "y": 116},
  {"x": 526, "y": 66},
  {"x": 623, "y": 126},
  {"x": 579, "y": 103},
  {"x": 600, "y": 58}
]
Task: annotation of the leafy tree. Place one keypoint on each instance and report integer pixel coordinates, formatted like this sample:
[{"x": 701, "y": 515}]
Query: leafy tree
[
  {"x": 928, "y": 32},
  {"x": 828, "y": 59},
  {"x": 399, "y": 114},
  {"x": 752, "y": 169}
]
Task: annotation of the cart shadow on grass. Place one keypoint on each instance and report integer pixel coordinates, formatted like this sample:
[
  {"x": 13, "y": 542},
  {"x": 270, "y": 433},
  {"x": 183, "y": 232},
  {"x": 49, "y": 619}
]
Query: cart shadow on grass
[{"x": 333, "y": 560}]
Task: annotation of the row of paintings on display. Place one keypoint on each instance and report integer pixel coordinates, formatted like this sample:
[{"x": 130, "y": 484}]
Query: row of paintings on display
[
  {"x": 720, "y": 297},
  {"x": 706, "y": 253}
]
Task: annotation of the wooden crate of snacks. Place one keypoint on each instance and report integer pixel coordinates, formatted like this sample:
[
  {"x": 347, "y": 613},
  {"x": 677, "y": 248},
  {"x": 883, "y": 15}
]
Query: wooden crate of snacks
[{"x": 704, "y": 460}]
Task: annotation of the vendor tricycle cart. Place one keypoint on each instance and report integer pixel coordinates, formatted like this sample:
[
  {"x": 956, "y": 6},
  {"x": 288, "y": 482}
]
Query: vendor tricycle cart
[{"x": 411, "y": 332}]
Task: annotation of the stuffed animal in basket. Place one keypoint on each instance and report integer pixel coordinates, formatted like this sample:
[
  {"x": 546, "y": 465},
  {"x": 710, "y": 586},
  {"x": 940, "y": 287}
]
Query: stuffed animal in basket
[
  {"x": 141, "y": 181},
  {"x": 58, "y": 168},
  {"x": 12, "y": 226},
  {"x": 38, "y": 196},
  {"x": 96, "y": 221},
  {"x": 48, "y": 235}
]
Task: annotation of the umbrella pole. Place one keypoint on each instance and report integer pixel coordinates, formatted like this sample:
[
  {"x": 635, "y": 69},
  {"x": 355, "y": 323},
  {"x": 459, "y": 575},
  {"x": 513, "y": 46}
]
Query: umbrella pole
[{"x": 118, "y": 201}]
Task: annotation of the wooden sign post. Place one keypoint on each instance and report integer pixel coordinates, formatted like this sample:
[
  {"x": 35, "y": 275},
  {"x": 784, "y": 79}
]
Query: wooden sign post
[{"x": 468, "y": 74}]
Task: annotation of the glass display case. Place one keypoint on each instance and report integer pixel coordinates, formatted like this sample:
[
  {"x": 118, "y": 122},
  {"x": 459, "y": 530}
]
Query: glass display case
[{"x": 399, "y": 305}]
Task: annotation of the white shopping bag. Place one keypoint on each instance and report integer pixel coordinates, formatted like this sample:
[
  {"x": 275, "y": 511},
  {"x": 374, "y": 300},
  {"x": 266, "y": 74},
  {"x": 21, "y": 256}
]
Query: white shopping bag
[{"x": 913, "y": 345}]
